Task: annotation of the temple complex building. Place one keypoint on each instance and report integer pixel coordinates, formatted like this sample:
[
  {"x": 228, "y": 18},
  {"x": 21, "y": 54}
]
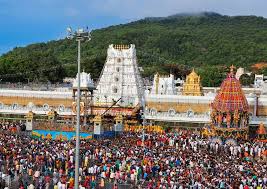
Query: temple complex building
[
  {"x": 120, "y": 92},
  {"x": 194, "y": 103}
]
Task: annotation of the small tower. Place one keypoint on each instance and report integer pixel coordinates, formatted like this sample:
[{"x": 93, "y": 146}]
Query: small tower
[
  {"x": 30, "y": 121},
  {"x": 98, "y": 125},
  {"x": 52, "y": 116},
  {"x": 192, "y": 85},
  {"x": 163, "y": 84},
  {"x": 118, "y": 127},
  {"x": 86, "y": 102},
  {"x": 120, "y": 78}
]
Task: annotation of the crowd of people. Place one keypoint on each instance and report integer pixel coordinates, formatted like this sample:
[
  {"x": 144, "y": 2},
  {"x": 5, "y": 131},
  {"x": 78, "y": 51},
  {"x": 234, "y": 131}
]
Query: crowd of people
[
  {"x": 176, "y": 160},
  {"x": 12, "y": 126}
]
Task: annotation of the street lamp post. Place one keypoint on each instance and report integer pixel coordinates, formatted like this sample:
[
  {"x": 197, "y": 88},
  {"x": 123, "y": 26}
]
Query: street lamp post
[
  {"x": 143, "y": 120},
  {"x": 79, "y": 35}
]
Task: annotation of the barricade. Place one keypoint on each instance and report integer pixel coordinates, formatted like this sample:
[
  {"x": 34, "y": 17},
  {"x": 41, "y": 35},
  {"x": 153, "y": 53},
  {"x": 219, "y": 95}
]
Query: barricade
[
  {"x": 106, "y": 134},
  {"x": 14, "y": 183},
  {"x": 18, "y": 133}
]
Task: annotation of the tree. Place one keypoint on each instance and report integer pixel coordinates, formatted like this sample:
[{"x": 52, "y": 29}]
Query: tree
[
  {"x": 246, "y": 80},
  {"x": 173, "y": 44}
]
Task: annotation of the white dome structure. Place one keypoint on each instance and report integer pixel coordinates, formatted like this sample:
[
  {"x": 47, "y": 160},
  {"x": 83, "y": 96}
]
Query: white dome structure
[{"x": 86, "y": 81}]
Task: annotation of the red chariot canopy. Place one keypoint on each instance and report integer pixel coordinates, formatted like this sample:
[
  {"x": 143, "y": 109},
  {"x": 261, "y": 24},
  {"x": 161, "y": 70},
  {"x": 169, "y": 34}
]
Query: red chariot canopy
[{"x": 230, "y": 98}]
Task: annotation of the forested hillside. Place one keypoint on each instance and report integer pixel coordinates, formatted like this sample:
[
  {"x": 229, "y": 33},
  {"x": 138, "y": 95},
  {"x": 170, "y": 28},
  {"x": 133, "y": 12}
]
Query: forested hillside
[{"x": 209, "y": 42}]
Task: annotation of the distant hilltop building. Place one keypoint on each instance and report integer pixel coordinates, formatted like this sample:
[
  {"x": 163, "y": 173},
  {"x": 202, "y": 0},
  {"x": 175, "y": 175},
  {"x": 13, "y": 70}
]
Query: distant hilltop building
[
  {"x": 192, "y": 85},
  {"x": 120, "y": 79},
  {"x": 260, "y": 80}
]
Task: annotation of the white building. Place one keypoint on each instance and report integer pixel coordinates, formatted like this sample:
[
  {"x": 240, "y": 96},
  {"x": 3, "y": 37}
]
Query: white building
[
  {"x": 85, "y": 81},
  {"x": 164, "y": 85},
  {"x": 260, "y": 82},
  {"x": 120, "y": 79},
  {"x": 239, "y": 72}
]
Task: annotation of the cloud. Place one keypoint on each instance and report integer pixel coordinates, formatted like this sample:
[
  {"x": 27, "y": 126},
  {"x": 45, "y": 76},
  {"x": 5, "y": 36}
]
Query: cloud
[
  {"x": 144, "y": 8},
  {"x": 29, "y": 21}
]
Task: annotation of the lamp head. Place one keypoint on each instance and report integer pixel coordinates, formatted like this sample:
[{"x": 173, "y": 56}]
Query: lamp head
[
  {"x": 69, "y": 29},
  {"x": 80, "y": 30}
]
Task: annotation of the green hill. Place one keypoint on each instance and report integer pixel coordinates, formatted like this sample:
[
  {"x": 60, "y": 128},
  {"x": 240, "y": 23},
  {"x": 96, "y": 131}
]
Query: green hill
[{"x": 208, "y": 41}]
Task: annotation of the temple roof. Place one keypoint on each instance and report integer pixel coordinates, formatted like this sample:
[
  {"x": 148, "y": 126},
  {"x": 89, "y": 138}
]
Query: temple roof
[
  {"x": 85, "y": 81},
  {"x": 193, "y": 74},
  {"x": 230, "y": 97}
]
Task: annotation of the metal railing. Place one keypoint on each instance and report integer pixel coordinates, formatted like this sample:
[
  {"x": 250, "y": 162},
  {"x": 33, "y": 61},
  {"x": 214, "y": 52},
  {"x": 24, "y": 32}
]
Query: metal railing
[
  {"x": 18, "y": 133},
  {"x": 14, "y": 183}
]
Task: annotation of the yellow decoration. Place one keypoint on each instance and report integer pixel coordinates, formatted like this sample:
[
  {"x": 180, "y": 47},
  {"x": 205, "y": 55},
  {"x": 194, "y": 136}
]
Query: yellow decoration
[
  {"x": 192, "y": 85},
  {"x": 121, "y": 47},
  {"x": 49, "y": 136},
  {"x": 139, "y": 128},
  {"x": 74, "y": 107},
  {"x": 29, "y": 115},
  {"x": 97, "y": 119},
  {"x": 35, "y": 134},
  {"x": 61, "y": 137},
  {"x": 119, "y": 118},
  {"x": 52, "y": 114}
]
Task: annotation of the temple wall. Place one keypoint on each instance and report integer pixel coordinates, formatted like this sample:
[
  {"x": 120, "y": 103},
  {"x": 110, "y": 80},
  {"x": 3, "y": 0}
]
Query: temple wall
[
  {"x": 24, "y": 101},
  {"x": 198, "y": 104},
  {"x": 262, "y": 111},
  {"x": 161, "y": 103},
  {"x": 262, "y": 106},
  {"x": 179, "y": 108}
]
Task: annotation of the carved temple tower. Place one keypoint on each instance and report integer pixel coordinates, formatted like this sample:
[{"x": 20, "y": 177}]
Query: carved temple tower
[
  {"x": 192, "y": 85},
  {"x": 120, "y": 80}
]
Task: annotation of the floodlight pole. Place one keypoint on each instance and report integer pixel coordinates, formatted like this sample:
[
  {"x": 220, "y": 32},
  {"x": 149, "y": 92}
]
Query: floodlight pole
[
  {"x": 79, "y": 35},
  {"x": 143, "y": 121},
  {"x": 143, "y": 132},
  {"x": 77, "y": 152}
]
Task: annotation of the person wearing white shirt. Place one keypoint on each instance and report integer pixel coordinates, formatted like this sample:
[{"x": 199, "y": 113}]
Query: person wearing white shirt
[
  {"x": 251, "y": 151},
  {"x": 71, "y": 158},
  {"x": 59, "y": 185},
  {"x": 259, "y": 151},
  {"x": 231, "y": 150},
  {"x": 63, "y": 186}
]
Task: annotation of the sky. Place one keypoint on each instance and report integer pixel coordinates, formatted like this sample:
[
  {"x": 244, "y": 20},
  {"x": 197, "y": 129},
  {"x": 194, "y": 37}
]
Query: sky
[{"x": 23, "y": 22}]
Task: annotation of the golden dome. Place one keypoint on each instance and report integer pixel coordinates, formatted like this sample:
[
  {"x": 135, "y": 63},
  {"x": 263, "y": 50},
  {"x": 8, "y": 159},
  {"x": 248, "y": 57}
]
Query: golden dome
[
  {"x": 193, "y": 74},
  {"x": 192, "y": 85}
]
